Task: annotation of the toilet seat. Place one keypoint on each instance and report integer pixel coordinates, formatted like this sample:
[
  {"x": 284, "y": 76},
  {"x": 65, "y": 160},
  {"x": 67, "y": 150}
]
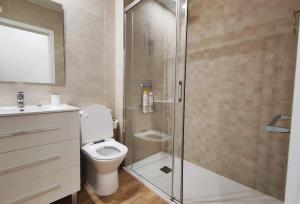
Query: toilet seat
[{"x": 107, "y": 150}]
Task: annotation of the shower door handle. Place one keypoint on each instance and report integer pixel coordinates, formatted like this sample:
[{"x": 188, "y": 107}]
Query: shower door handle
[{"x": 180, "y": 91}]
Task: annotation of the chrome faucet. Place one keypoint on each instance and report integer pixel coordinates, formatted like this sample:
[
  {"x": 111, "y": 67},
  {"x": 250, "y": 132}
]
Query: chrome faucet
[{"x": 20, "y": 100}]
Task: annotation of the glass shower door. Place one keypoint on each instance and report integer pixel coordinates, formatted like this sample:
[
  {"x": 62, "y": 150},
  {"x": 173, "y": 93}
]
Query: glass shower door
[
  {"x": 239, "y": 90},
  {"x": 154, "y": 93}
]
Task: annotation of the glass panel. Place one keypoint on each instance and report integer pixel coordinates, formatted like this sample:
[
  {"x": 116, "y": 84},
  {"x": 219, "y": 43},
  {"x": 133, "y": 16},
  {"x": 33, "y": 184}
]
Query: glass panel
[
  {"x": 150, "y": 73},
  {"x": 178, "y": 153},
  {"x": 240, "y": 72}
]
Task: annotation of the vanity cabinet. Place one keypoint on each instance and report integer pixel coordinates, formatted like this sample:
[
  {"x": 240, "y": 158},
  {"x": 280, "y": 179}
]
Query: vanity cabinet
[{"x": 39, "y": 156}]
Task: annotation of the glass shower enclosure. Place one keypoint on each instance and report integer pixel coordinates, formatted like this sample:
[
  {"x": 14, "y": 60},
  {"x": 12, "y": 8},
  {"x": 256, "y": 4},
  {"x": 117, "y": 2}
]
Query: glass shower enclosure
[
  {"x": 154, "y": 82},
  {"x": 208, "y": 106}
]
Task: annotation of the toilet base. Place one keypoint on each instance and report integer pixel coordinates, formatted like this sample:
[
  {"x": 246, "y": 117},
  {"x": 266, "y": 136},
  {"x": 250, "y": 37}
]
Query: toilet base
[{"x": 103, "y": 184}]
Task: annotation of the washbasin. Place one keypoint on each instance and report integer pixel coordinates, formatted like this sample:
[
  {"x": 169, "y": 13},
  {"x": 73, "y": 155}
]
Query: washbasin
[{"x": 32, "y": 109}]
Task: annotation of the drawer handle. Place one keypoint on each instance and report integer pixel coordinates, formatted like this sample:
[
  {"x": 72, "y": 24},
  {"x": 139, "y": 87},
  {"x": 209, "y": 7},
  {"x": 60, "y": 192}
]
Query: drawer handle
[
  {"x": 25, "y": 132},
  {"x": 35, "y": 194},
  {"x": 24, "y": 166}
]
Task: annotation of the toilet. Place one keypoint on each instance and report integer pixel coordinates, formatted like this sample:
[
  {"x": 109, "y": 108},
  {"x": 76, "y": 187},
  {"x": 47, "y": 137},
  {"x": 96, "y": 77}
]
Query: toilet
[{"x": 102, "y": 153}]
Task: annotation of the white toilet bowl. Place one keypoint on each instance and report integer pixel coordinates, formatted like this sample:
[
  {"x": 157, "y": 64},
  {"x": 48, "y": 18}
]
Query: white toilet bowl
[
  {"x": 103, "y": 157},
  {"x": 103, "y": 160}
]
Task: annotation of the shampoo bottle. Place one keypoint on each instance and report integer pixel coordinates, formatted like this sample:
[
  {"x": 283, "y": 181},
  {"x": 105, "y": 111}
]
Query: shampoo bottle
[
  {"x": 151, "y": 99},
  {"x": 145, "y": 98}
]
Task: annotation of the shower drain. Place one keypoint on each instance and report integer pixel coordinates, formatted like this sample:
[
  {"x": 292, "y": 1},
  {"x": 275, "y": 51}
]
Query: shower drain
[{"x": 166, "y": 169}]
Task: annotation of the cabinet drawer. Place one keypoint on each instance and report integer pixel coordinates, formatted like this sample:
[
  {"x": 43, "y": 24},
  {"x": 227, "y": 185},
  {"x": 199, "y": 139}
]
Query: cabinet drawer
[
  {"x": 23, "y": 165},
  {"x": 44, "y": 189},
  {"x": 19, "y": 132}
]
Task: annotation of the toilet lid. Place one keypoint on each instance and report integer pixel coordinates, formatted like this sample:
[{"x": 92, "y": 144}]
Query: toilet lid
[{"x": 96, "y": 124}]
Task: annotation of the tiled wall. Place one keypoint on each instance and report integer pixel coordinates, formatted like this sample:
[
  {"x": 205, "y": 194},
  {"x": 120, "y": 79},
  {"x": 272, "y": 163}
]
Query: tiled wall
[
  {"x": 240, "y": 71},
  {"x": 89, "y": 59}
]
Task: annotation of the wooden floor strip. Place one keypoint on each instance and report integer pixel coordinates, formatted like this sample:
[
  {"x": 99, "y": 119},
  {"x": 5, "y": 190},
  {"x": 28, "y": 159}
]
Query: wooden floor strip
[{"x": 131, "y": 191}]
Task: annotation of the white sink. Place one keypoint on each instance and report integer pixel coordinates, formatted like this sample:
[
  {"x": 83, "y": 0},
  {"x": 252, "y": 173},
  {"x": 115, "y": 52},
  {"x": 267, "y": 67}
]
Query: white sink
[{"x": 13, "y": 110}]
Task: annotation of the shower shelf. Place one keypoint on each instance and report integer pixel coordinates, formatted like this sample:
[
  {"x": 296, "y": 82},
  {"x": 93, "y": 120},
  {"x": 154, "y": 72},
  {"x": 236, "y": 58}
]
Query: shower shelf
[{"x": 147, "y": 109}]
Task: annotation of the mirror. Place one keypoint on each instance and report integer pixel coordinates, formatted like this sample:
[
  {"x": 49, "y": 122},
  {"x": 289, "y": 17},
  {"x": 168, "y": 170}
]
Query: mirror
[{"x": 32, "y": 41}]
